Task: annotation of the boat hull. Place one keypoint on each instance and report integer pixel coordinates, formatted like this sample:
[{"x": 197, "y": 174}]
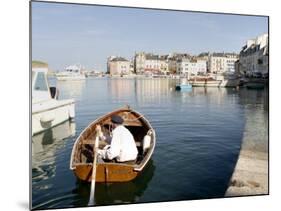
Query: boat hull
[
  {"x": 183, "y": 87},
  {"x": 71, "y": 78},
  {"x": 215, "y": 83},
  {"x": 82, "y": 152},
  {"x": 106, "y": 173},
  {"x": 51, "y": 113}
]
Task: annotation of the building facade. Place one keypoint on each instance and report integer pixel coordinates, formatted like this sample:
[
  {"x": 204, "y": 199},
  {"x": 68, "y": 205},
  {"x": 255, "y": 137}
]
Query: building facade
[
  {"x": 147, "y": 62},
  {"x": 222, "y": 62},
  {"x": 191, "y": 66},
  {"x": 139, "y": 63},
  {"x": 172, "y": 65},
  {"x": 205, "y": 57},
  {"x": 118, "y": 66},
  {"x": 253, "y": 58}
]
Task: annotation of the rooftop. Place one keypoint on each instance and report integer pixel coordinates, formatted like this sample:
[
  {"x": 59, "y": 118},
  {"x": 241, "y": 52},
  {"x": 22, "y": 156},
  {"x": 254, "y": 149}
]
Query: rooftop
[{"x": 119, "y": 59}]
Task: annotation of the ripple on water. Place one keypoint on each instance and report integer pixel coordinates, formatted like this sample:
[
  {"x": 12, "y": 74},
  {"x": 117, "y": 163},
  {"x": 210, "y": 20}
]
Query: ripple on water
[{"x": 198, "y": 139}]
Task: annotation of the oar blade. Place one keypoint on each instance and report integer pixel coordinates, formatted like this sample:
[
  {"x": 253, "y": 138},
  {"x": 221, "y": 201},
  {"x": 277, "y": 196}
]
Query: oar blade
[{"x": 92, "y": 194}]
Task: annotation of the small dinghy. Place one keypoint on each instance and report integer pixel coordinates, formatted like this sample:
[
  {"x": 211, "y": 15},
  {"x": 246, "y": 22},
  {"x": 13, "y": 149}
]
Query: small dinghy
[
  {"x": 183, "y": 87},
  {"x": 82, "y": 155}
]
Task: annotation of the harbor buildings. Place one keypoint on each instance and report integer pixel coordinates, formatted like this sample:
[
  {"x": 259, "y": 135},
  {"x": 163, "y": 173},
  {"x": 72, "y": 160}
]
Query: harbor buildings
[
  {"x": 173, "y": 61},
  {"x": 108, "y": 63},
  {"x": 155, "y": 63},
  {"x": 183, "y": 63},
  {"x": 219, "y": 63},
  {"x": 118, "y": 66},
  {"x": 253, "y": 58},
  {"x": 191, "y": 66},
  {"x": 150, "y": 63},
  {"x": 139, "y": 62},
  {"x": 205, "y": 57}
]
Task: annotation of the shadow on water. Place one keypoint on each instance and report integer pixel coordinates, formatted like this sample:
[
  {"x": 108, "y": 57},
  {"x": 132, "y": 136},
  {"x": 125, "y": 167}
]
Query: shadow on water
[{"x": 116, "y": 193}]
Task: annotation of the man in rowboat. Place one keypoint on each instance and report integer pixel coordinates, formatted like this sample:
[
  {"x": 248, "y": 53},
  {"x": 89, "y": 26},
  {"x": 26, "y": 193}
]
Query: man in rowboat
[{"x": 122, "y": 147}]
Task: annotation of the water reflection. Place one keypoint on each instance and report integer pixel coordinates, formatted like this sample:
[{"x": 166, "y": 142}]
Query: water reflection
[
  {"x": 43, "y": 141},
  {"x": 153, "y": 90},
  {"x": 121, "y": 89},
  {"x": 202, "y": 128},
  {"x": 116, "y": 193},
  {"x": 208, "y": 95},
  {"x": 45, "y": 146},
  {"x": 255, "y": 136},
  {"x": 139, "y": 91},
  {"x": 71, "y": 89}
]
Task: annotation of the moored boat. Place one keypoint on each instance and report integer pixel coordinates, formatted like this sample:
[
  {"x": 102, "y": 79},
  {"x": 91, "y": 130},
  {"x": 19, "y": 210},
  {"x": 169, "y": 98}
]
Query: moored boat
[
  {"x": 183, "y": 87},
  {"x": 81, "y": 161},
  {"x": 211, "y": 82},
  {"x": 72, "y": 73},
  {"x": 47, "y": 110},
  {"x": 205, "y": 82}
]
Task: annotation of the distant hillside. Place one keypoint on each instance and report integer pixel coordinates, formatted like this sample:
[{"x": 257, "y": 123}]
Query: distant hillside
[{"x": 39, "y": 64}]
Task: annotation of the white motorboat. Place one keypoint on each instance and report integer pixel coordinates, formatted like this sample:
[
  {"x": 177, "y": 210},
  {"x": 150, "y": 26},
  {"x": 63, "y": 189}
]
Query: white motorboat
[
  {"x": 217, "y": 81},
  {"x": 47, "y": 110},
  {"x": 72, "y": 72}
]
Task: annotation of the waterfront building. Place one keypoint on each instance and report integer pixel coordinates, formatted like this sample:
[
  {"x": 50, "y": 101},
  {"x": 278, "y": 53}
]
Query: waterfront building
[
  {"x": 173, "y": 61},
  {"x": 205, "y": 56},
  {"x": 163, "y": 64},
  {"x": 222, "y": 62},
  {"x": 191, "y": 66},
  {"x": 108, "y": 63},
  {"x": 139, "y": 62},
  {"x": 131, "y": 65},
  {"x": 118, "y": 66},
  {"x": 253, "y": 58},
  {"x": 172, "y": 65},
  {"x": 150, "y": 63}
]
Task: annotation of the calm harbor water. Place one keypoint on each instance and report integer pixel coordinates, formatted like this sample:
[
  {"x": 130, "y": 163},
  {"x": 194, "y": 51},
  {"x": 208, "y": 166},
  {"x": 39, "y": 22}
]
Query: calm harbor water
[{"x": 199, "y": 136}]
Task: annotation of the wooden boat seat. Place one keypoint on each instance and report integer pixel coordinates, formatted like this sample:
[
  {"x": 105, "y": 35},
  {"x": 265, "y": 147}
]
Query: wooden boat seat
[{"x": 89, "y": 141}]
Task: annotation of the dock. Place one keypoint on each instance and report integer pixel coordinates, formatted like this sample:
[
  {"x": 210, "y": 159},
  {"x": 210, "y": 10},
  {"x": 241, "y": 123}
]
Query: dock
[{"x": 250, "y": 176}]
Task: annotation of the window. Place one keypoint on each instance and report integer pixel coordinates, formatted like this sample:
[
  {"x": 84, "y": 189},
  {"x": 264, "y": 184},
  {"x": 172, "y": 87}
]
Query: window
[{"x": 40, "y": 83}]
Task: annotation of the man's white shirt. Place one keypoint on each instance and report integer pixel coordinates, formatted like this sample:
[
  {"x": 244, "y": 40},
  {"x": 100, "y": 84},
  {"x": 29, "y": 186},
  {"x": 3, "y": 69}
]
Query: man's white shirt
[{"x": 122, "y": 147}]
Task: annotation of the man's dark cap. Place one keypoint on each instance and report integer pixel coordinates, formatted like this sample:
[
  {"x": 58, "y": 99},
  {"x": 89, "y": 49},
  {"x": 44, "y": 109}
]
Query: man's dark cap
[{"x": 117, "y": 119}]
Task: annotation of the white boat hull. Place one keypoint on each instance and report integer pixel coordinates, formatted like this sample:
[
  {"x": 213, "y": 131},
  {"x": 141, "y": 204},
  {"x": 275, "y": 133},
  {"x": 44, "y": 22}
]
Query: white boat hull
[
  {"x": 50, "y": 113},
  {"x": 215, "y": 83},
  {"x": 71, "y": 78}
]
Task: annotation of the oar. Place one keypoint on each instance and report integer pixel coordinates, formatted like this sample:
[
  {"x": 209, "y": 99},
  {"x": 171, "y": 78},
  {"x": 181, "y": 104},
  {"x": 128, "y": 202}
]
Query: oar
[{"x": 92, "y": 194}]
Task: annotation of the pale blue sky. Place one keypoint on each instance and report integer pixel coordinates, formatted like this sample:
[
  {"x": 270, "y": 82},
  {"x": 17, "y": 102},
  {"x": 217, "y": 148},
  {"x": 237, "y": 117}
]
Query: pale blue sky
[{"x": 66, "y": 34}]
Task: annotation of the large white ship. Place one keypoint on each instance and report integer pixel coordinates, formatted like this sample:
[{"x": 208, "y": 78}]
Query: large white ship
[{"x": 73, "y": 72}]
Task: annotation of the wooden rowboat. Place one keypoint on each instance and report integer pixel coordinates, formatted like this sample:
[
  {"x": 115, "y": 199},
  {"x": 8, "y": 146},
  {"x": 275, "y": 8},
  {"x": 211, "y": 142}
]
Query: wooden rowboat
[{"x": 82, "y": 152}]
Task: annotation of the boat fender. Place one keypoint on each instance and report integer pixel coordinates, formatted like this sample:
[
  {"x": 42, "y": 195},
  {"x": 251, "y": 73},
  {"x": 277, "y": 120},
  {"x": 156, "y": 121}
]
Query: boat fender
[
  {"x": 71, "y": 112},
  {"x": 47, "y": 118},
  {"x": 146, "y": 141}
]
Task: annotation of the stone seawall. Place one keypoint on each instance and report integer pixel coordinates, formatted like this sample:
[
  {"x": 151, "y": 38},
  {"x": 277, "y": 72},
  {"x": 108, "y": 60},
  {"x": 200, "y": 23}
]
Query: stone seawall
[{"x": 250, "y": 176}]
